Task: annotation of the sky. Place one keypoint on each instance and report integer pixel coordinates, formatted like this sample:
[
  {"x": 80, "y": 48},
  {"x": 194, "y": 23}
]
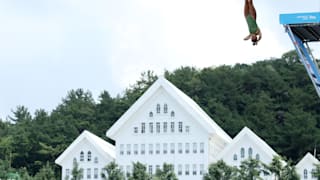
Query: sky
[{"x": 49, "y": 47}]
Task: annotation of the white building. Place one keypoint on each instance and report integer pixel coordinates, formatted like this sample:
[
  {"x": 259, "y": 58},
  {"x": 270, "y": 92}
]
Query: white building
[
  {"x": 305, "y": 167},
  {"x": 246, "y": 144},
  {"x": 166, "y": 126},
  {"x": 91, "y": 153}
]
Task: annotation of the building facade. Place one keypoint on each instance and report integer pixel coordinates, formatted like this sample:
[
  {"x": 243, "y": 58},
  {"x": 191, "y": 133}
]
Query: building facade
[
  {"x": 90, "y": 152},
  {"x": 166, "y": 126},
  {"x": 306, "y": 166}
]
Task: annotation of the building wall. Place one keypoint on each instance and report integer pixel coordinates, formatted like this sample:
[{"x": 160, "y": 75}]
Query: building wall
[
  {"x": 305, "y": 171},
  {"x": 92, "y": 167},
  {"x": 162, "y": 132},
  {"x": 244, "y": 149}
]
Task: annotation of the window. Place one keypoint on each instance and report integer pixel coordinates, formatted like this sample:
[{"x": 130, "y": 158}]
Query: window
[
  {"x": 187, "y": 169},
  {"x": 128, "y": 169},
  {"x": 158, "y": 127},
  {"x": 165, "y": 126},
  {"x": 89, "y": 156},
  {"x": 150, "y": 148},
  {"x": 151, "y": 127},
  {"x": 165, "y": 148},
  {"x": 150, "y": 169},
  {"x": 257, "y": 157},
  {"x": 67, "y": 172},
  {"x": 202, "y": 147},
  {"x": 135, "y": 130},
  {"x": 157, "y": 168},
  {"x": 194, "y": 169},
  {"x": 88, "y": 173},
  {"x": 135, "y": 149},
  {"x": 143, "y": 149},
  {"x": 235, "y": 157},
  {"x": 201, "y": 169},
  {"x": 180, "y": 148},
  {"x": 242, "y": 152},
  {"x": 179, "y": 169},
  {"x": 121, "y": 149},
  {"x": 128, "y": 149},
  {"x": 172, "y": 126},
  {"x": 187, "y": 147},
  {"x": 305, "y": 174},
  {"x": 165, "y": 108},
  {"x": 96, "y": 160},
  {"x": 81, "y": 173},
  {"x": 172, "y": 113},
  {"x": 313, "y": 173},
  {"x": 172, "y": 148},
  {"x": 95, "y": 173},
  {"x": 194, "y": 147},
  {"x": 158, "y": 108},
  {"x": 150, "y": 114},
  {"x": 187, "y": 129},
  {"x": 81, "y": 156},
  {"x": 158, "y": 148},
  {"x": 250, "y": 152},
  {"x": 180, "y": 127},
  {"x": 143, "y": 128}
]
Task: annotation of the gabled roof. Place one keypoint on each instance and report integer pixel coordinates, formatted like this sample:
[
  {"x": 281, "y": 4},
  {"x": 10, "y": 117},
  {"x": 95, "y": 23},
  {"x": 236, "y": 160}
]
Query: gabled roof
[
  {"x": 247, "y": 133},
  {"x": 99, "y": 144},
  {"x": 307, "y": 159},
  {"x": 182, "y": 99}
]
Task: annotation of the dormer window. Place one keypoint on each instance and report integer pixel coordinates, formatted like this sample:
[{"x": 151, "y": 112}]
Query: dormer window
[
  {"x": 81, "y": 156},
  {"x": 165, "y": 108},
  {"x": 150, "y": 114},
  {"x": 158, "y": 108},
  {"x": 172, "y": 113},
  {"x": 89, "y": 155}
]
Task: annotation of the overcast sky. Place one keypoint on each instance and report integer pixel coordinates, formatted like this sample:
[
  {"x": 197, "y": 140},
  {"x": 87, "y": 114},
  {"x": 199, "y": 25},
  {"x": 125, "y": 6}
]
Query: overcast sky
[{"x": 48, "y": 47}]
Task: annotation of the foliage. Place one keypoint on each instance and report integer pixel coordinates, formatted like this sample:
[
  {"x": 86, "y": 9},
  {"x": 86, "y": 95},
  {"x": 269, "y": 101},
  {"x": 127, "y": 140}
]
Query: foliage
[
  {"x": 112, "y": 172},
  {"x": 166, "y": 173},
  {"x": 250, "y": 169},
  {"x": 220, "y": 171},
  {"x": 138, "y": 172}
]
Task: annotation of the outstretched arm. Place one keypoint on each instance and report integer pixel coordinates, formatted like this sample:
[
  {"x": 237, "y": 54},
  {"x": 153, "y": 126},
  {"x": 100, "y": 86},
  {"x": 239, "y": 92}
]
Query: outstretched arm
[{"x": 247, "y": 37}]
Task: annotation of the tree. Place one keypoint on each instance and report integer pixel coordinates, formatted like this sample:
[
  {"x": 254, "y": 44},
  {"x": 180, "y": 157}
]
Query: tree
[
  {"x": 220, "y": 171},
  {"x": 289, "y": 172},
  {"x": 76, "y": 172},
  {"x": 316, "y": 172},
  {"x": 276, "y": 167},
  {"x": 139, "y": 172},
  {"x": 250, "y": 169},
  {"x": 113, "y": 172},
  {"x": 166, "y": 173},
  {"x": 45, "y": 173}
]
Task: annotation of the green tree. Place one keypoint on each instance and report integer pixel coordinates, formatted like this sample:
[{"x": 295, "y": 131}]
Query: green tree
[
  {"x": 250, "y": 169},
  {"x": 166, "y": 173},
  {"x": 112, "y": 172},
  {"x": 289, "y": 172},
  {"x": 76, "y": 172},
  {"x": 316, "y": 172},
  {"x": 220, "y": 171},
  {"x": 45, "y": 173},
  {"x": 139, "y": 172}
]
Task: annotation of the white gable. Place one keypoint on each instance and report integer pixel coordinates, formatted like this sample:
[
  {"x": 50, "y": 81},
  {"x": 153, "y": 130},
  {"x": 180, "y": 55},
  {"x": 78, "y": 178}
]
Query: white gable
[
  {"x": 246, "y": 144},
  {"x": 104, "y": 148},
  {"x": 306, "y": 165},
  {"x": 187, "y": 104}
]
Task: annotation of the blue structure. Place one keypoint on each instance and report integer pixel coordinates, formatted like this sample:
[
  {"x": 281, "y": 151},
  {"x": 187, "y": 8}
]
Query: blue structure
[{"x": 303, "y": 28}]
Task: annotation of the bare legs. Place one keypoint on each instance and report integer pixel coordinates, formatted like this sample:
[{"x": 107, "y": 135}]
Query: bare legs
[{"x": 249, "y": 9}]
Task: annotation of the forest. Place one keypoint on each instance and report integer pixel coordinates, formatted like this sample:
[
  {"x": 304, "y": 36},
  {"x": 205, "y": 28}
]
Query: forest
[{"x": 273, "y": 97}]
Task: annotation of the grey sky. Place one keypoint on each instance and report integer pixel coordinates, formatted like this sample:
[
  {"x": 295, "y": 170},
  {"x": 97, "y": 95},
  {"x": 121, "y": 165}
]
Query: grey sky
[{"x": 50, "y": 47}]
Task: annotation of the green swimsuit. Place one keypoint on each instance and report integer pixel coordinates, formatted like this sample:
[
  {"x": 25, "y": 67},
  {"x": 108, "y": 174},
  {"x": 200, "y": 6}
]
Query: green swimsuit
[{"x": 252, "y": 25}]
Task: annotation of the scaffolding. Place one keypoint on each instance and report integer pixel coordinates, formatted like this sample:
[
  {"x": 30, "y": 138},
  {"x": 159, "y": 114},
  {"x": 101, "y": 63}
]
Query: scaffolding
[{"x": 303, "y": 28}]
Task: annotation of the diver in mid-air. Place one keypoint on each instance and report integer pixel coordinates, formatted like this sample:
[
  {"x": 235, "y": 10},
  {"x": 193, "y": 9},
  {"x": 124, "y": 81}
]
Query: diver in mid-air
[{"x": 251, "y": 16}]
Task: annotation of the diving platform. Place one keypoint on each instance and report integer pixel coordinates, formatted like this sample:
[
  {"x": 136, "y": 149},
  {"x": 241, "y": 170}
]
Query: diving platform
[{"x": 303, "y": 28}]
